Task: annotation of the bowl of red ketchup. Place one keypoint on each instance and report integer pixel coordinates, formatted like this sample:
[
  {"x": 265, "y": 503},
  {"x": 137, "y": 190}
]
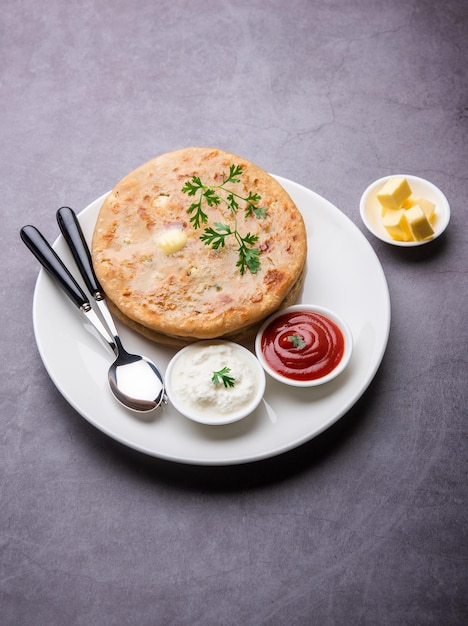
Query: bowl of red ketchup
[{"x": 304, "y": 345}]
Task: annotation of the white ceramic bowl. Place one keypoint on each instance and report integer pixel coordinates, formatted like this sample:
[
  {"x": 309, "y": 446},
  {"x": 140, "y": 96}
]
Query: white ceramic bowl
[
  {"x": 348, "y": 345},
  {"x": 370, "y": 208},
  {"x": 192, "y": 392}
]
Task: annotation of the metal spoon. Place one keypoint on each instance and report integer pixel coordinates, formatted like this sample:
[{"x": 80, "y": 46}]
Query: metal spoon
[{"x": 134, "y": 380}]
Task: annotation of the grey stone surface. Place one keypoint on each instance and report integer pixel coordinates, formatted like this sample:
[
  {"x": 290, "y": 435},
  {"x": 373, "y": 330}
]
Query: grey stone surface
[{"x": 366, "y": 524}]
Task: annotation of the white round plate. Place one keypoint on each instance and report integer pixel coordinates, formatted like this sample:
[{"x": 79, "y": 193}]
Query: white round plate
[
  {"x": 343, "y": 274},
  {"x": 370, "y": 208}
]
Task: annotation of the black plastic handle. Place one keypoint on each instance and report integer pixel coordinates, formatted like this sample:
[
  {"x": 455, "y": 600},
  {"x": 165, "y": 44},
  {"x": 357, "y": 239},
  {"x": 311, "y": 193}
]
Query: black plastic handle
[
  {"x": 71, "y": 230},
  {"x": 51, "y": 262}
]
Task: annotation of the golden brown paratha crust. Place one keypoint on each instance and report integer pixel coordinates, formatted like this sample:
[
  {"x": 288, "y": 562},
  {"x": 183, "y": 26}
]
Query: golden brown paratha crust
[
  {"x": 243, "y": 335},
  {"x": 196, "y": 292}
]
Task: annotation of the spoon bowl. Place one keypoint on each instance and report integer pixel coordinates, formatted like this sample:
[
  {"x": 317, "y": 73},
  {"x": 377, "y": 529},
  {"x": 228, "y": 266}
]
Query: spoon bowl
[{"x": 135, "y": 381}]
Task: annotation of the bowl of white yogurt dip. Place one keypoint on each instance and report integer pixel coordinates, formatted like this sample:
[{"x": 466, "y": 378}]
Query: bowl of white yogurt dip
[{"x": 215, "y": 382}]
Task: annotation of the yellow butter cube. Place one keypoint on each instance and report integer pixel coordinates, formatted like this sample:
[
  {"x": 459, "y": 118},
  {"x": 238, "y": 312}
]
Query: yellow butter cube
[
  {"x": 408, "y": 203},
  {"x": 397, "y": 226},
  {"x": 418, "y": 223},
  {"x": 395, "y": 191},
  {"x": 427, "y": 206},
  {"x": 171, "y": 240}
]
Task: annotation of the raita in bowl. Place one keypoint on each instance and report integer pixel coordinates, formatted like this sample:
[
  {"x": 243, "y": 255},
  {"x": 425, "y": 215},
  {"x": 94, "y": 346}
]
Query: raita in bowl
[{"x": 215, "y": 382}]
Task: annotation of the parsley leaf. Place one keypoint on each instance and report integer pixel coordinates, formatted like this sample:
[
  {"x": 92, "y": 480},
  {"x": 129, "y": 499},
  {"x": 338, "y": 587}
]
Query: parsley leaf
[
  {"x": 297, "y": 341},
  {"x": 234, "y": 172},
  {"x": 215, "y": 237},
  {"x": 221, "y": 376}
]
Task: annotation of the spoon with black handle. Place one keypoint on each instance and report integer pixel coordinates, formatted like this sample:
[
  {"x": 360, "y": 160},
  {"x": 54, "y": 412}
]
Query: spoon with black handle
[{"x": 133, "y": 379}]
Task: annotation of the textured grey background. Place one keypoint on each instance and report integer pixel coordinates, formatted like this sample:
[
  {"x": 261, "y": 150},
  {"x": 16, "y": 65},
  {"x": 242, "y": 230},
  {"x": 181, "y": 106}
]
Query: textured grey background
[{"x": 366, "y": 524}]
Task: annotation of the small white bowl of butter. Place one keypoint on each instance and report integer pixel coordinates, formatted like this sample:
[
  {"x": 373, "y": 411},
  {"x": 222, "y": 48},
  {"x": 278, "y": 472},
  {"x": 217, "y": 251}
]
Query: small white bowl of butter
[
  {"x": 215, "y": 382},
  {"x": 404, "y": 210}
]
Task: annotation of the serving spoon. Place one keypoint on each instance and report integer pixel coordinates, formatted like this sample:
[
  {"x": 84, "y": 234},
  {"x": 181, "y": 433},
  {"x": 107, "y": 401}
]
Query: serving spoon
[{"x": 134, "y": 380}]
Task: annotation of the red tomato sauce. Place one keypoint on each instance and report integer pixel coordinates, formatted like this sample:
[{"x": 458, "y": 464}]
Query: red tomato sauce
[{"x": 303, "y": 345}]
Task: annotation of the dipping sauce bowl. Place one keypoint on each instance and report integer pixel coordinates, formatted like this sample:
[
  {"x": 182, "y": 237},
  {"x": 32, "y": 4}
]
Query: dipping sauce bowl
[{"x": 304, "y": 345}]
